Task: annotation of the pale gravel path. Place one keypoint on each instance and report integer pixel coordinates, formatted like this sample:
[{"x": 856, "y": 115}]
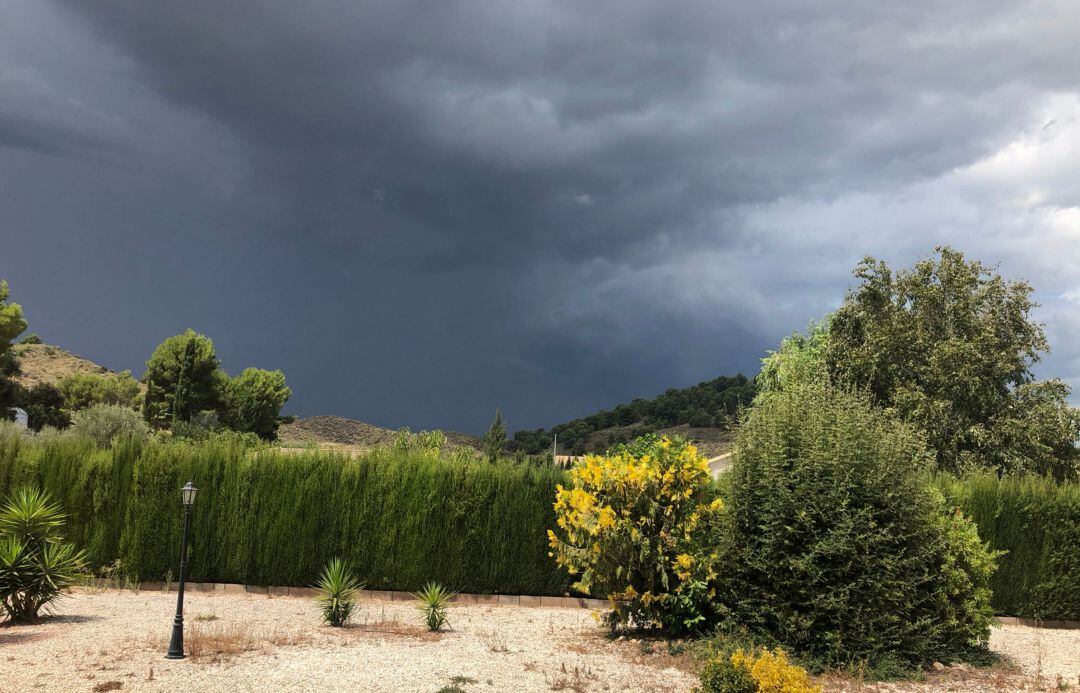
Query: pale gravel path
[
  {"x": 106, "y": 637},
  {"x": 109, "y": 636}
]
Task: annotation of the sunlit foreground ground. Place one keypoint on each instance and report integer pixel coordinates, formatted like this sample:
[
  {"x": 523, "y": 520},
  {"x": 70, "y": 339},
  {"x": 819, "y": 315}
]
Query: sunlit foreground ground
[{"x": 115, "y": 641}]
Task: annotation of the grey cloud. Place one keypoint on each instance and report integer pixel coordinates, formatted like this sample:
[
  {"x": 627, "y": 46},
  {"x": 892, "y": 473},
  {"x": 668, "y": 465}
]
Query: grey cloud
[{"x": 586, "y": 200}]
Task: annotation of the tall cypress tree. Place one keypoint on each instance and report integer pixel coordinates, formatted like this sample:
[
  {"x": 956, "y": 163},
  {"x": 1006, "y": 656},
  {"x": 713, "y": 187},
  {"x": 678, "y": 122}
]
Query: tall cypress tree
[{"x": 495, "y": 439}]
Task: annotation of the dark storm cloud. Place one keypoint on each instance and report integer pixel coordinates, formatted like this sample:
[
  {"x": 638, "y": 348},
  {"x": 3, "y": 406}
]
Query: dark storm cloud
[{"x": 552, "y": 205}]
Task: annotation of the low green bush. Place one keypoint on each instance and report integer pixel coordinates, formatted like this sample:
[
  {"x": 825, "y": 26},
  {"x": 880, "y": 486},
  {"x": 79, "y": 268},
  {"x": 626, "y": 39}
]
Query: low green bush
[
  {"x": 1036, "y": 522},
  {"x": 838, "y": 546},
  {"x": 103, "y": 423}
]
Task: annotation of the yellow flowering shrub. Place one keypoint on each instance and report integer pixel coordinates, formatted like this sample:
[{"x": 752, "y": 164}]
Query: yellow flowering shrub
[
  {"x": 772, "y": 673},
  {"x": 634, "y": 527},
  {"x": 763, "y": 671}
]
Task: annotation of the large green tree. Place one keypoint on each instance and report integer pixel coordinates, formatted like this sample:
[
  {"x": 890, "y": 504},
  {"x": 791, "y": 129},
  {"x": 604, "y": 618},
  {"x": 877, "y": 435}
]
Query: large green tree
[
  {"x": 949, "y": 345},
  {"x": 12, "y": 325},
  {"x": 253, "y": 400},
  {"x": 182, "y": 378}
]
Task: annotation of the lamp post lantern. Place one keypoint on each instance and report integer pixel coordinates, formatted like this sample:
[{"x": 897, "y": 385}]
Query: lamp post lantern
[{"x": 176, "y": 643}]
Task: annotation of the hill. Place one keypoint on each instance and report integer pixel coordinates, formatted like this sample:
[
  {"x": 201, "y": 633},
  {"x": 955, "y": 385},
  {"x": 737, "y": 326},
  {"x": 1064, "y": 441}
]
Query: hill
[
  {"x": 704, "y": 413},
  {"x": 47, "y": 364},
  {"x": 337, "y": 431}
]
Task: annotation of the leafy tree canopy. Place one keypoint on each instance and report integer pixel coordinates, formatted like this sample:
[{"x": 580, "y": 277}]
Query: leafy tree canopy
[
  {"x": 253, "y": 400},
  {"x": 82, "y": 390},
  {"x": 799, "y": 360},
  {"x": 12, "y": 325},
  {"x": 949, "y": 344},
  {"x": 182, "y": 378}
]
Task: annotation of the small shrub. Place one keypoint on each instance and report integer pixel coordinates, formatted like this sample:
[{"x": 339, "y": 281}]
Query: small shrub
[
  {"x": 36, "y": 565},
  {"x": 763, "y": 671},
  {"x": 434, "y": 601},
  {"x": 103, "y": 423},
  {"x": 636, "y": 526},
  {"x": 338, "y": 588}
]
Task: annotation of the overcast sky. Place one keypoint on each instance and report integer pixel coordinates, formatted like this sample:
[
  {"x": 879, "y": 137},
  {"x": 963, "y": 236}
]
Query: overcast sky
[{"x": 424, "y": 210}]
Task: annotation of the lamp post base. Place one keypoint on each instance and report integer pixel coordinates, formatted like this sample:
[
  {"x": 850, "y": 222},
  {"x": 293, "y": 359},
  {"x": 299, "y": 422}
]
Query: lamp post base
[{"x": 176, "y": 642}]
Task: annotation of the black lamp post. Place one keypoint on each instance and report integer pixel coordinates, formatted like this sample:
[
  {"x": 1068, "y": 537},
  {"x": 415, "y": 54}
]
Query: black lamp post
[{"x": 176, "y": 644}]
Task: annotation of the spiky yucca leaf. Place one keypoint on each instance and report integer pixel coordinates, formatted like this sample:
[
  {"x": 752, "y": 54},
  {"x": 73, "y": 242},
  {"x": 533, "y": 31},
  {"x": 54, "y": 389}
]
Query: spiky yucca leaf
[
  {"x": 36, "y": 565},
  {"x": 339, "y": 587},
  {"x": 434, "y": 601}
]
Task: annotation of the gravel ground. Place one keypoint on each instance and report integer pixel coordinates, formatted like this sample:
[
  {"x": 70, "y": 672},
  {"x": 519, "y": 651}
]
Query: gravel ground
[{"x": 114, "y": 641}]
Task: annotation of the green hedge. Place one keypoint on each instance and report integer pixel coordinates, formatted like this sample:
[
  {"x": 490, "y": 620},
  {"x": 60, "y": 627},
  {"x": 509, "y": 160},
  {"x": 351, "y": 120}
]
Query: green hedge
[
  {"x": 273, "y": 517},
  {"x": 1038, "y": 522}
]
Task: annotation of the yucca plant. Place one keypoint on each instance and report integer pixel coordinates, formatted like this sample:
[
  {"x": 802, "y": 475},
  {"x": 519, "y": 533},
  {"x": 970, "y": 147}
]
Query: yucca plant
[
  {"x": 36, "y": 565},
  {"x": 434, "y": 600},
  {"x": 339, "y": 587}
]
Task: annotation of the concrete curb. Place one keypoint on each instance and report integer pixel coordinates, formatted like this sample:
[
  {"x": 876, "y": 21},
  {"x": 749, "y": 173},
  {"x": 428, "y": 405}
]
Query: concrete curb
[
  {"x": 529, "y": 601},
  {"x": 1037, "y": 623}
]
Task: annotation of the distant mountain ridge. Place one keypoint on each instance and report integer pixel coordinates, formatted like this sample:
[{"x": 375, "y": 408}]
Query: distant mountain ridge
[{"x": 704, "y": 413}]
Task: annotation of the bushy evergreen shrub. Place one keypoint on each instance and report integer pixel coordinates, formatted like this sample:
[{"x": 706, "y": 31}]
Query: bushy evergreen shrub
[{"x": 839, "y": 548}]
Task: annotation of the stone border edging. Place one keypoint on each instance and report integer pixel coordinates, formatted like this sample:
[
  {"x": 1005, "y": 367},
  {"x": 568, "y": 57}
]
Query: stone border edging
[
  {"x": 494, "y": 599},
  {"x": 1037, "y": 623},
  {"x": 385, "y": 595}
]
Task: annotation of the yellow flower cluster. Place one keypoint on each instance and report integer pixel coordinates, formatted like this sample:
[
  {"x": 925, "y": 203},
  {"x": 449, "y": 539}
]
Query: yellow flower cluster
[
  {"x": 772, "y": 673},
  {"x": 629, "y": 526}
]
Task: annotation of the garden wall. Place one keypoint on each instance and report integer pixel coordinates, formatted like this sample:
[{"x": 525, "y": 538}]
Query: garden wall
[
  {"x": 275, "y": 517},
  {"x": 1038, "y": 523}
]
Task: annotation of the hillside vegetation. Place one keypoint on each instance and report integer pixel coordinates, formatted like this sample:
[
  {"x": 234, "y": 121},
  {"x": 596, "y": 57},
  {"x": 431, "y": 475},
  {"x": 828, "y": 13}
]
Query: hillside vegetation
[
  {"x": 703, "y": 413},
  {"x": 334, "y": 431},
  {"x": 45, "y": 364}
]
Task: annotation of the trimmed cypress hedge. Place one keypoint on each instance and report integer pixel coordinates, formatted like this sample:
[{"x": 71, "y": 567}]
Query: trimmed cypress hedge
[
  {"x": 1038, "y": 522},
  {"x": 273, "y": 517}
]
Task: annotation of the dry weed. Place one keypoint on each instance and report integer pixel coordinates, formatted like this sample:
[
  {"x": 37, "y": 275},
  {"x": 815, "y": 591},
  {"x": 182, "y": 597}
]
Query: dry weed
[
  {"x": 494, "y": 641},
  {"x": 569, "y": 678}
]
